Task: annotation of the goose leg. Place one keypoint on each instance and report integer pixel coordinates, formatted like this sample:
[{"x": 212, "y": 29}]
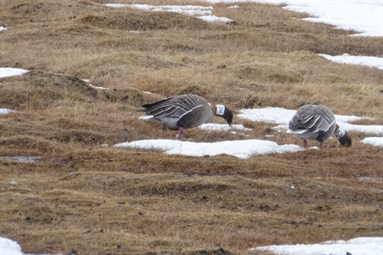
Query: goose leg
[
  {"x": 305, "y": 143},
  {"x": 180, "y": 133}
]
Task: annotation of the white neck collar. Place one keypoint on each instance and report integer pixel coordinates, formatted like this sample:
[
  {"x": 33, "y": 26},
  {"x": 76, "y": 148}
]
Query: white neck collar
[{"x": 220, "y": 109}]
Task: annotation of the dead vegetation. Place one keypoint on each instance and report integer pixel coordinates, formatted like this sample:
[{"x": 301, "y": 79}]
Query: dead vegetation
[{"x": 84, "y": 195}]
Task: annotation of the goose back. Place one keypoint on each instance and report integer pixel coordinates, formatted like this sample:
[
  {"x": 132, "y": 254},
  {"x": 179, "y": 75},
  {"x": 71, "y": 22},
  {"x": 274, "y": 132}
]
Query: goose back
[
  {"x": 313, "y": 122},
  {"x": 186, "y": 111}
]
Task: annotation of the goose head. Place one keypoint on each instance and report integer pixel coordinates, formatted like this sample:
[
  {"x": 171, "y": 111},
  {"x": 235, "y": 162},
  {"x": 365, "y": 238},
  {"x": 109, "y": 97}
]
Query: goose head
[
  {"x": 224, "y": 112},
  {"x": 345, "y": 140},
  {"x": 342, "y": 136}
]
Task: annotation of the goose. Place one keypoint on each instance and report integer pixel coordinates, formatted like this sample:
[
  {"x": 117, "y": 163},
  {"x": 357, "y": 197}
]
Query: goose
[
  {"x": 317, "y": 122},
  {"x": 185, "y": 111}
]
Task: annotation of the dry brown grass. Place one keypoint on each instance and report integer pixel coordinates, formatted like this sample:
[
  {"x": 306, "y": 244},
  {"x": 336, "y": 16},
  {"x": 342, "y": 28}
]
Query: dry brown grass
[{"x": 103, "y": 200}]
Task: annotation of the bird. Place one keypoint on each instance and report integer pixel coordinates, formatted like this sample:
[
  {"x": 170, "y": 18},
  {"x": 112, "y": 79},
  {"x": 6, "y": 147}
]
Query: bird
[
  {"x": 185, "y": 111},
  {"x": 317, "y": 122}
]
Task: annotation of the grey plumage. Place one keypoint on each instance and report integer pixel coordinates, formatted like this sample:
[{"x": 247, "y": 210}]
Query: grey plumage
[
  {"x": 317, "y": 122},
  {"x": 184, "y": 111}
]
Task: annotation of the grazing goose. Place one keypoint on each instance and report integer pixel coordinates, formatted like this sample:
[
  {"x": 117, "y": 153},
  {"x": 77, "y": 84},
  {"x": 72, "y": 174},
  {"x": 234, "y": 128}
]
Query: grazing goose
[
  {"x": 185, "y": 111},
  {"x": 317, "y": 122}
]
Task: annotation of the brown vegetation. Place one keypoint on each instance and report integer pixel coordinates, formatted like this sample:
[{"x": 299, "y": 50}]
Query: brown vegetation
[{"x": 96, "y": 199}]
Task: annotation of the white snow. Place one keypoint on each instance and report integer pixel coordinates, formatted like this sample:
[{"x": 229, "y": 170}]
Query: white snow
[
  {"x": 363, "y": 16},
  {"x": 202, "y": 12},
  {"x": 5, "y": 111},
  {"x": 356, "y": 60},
  {"x": 357, "y": 246},
  {"x": 21, "y": 159},
  {"x": 275, "y": 115},
  {"x": 376, "y": 141},
  {"x": 9, "y": 71},
  {"x": 224, "y": 127},
  {"x": 238, "y": 148},
  {"x": 95, "y": 87},
  {"x": 9, "y": 247}
]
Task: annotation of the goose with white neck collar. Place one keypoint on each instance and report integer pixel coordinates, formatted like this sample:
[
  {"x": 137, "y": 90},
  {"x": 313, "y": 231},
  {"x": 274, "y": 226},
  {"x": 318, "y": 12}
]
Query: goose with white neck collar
[
  {"x": 185, "y": 111},
  {"x": 317, "y": 122}
]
